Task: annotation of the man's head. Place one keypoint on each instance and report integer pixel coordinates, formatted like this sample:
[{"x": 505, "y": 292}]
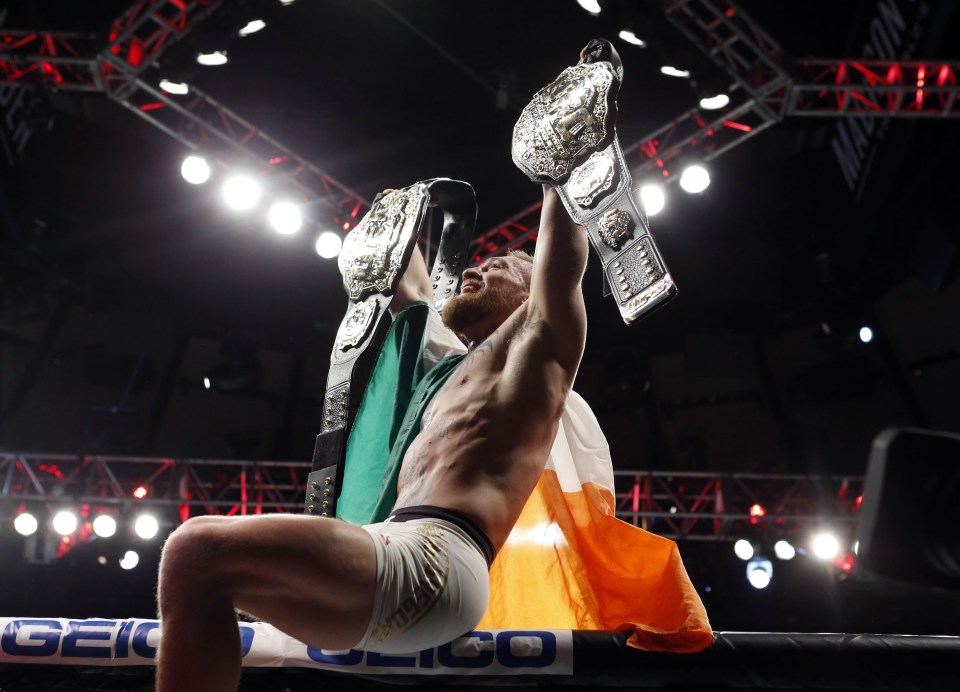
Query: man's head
[{"x": 489, "y": 294}]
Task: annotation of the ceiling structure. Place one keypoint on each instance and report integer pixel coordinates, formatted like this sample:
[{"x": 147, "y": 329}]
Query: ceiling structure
[{"x": 123, "y": 286}]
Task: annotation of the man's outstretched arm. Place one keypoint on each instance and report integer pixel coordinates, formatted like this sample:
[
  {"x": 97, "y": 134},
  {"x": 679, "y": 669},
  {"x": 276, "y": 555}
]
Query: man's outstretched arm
[{"x": 558, "y": 267}]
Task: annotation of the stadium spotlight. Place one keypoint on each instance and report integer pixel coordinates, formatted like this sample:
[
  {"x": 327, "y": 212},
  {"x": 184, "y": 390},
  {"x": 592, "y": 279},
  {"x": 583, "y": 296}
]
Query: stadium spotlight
[
  {"x": 825, "y": 546},
  {"x": 105, "y": 526},
  {"x": 866, "y": 334},
  {"x": 630, "y": 37},
  {"x": 784, "y": 550},
  {"x": 287, "y": 2},
  {"x": 759, "y": 572},
  {"x": 671, "y": 71},
  {"x": 130, "y": 559},
  {"x": 241, "y": 192},
  {"x": 25, "y": 524},
  {"x": 285, "y": 218},
  {"x": 252, "y": 27},
  {"x": 195, "y": 169},
  {"x": 715, "y": 102},
  {"x": 146, "y": 526},
  {"x": 744, "y": 549},
  {"x": 591, "y": 6},
  {"x": 65, "y": 522},
  {"x": 141, "y": 491},
  {"x": 652, "y": 199},
  {"x": 217, "y": 57},
  {"x": 695, "y": 179},
  {"x": 175, "y": 88},
  {"x": 328, "y": 245}
]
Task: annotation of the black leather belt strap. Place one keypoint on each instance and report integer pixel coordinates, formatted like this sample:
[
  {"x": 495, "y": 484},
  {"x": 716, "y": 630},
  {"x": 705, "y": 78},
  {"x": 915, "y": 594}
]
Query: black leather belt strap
[
  {"x": 566, "y": 137},
  {"x": 374, "y": 256}
]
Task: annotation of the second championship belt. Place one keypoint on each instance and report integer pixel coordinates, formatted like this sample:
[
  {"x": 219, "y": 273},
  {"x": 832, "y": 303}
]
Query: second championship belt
[
  {"x": 373, "y": 258},
  {"x": 566, "y": 138}
]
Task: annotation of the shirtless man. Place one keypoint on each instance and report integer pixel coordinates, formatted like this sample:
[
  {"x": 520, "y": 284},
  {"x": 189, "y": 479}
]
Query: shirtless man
[{"x": 485, "y": 441}]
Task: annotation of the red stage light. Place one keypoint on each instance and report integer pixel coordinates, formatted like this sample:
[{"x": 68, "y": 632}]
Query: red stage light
[
  {"x": 140, "y": 492},
  {"x": 757, "y": 510}
]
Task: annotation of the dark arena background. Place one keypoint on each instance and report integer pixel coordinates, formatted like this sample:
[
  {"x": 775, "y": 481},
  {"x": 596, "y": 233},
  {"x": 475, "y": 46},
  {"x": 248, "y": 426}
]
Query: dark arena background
[{"x": 164, "y": 356}]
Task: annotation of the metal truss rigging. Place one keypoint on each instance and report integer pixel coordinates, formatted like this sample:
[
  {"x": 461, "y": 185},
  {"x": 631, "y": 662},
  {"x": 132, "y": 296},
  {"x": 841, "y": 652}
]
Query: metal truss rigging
[
  {"x": 766, "y": 90},
  {"x": 76, "y": 62},
  {"x": 681, "y": 505}
]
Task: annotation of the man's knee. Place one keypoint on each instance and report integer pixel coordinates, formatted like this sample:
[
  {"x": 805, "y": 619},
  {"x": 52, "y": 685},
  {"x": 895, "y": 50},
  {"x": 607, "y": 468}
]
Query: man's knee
[{"x": 194, "y": 550}]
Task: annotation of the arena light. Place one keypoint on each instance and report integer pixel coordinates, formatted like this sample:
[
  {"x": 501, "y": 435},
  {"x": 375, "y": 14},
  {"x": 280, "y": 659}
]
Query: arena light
[
  {"x": 252, "y": 27},
  {"x": 759, "y": 572},
  {"x": 241, "y": 192},
  {"x": 652, "y": 199},
  {"x": 866, "y": 334},
  {"x": 105, "y": 526},
  {"x": 146, "y": 526},
  {"x": 825, "y": 546},
  {"x": 630, "y": 37},
  {"x": 175, "y": 88},
  {"x": 285, "y": 218},
  {"x": 695, "y": 179},
  {"x": 207, "y": 383},
  {"x": 195, "y": 169},
  {"x": 591, "y": 6},
  {"x": 141, "y": 491},
  {"x": 65, "y": 522},
  {"x": 328, "y": 245},
  {"x": 714, "y": 103},
  {"x": 671, "y": 71},
  {"x": 25, "y": 524},
  {"x": 784, "y": 550},
  {"x": 743, "y": 549},
  {"x": 130, "y": 559},
  {"x": 287, "y": 2},
  {"x": 217, "y": 57}
]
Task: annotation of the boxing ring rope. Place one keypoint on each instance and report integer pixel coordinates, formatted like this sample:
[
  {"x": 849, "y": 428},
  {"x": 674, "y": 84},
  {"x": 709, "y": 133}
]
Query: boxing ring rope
[{"x": 39, "y": 654}]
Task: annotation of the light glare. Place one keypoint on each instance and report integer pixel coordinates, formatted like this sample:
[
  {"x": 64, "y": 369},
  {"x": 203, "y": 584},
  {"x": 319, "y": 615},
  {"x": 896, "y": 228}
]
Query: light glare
[
  {"x": 105, "y": 526},
  {"x": 285, "y": 218},
  {"x": 826, "y": 546},
  {"x": 146, "y": 526},
  {"x": 760, "y": 573},
  {"x": 591, "y": 6},
  {"x": 672, "y": 71},
  {"x": 241, "y": 192},
  {"x": 866, "y": 334},
  {"x": 195, "y": 169},
  {"x": 130, "y": 559},
  {"x": 217, "y": 57},
  {"x": 175, "y": 88},
  {"x": 712, "y": 103},
  {"x": 252, "y": 27},
  {"x": 652, "y": 199},
  {"x": 328, "y": 245},
  {"x": 695, "y": 179},
  {"x": 784, "y": 550},
  {"x": 743, "y": 549},
  {"x": 631, "y": 37},
  {"x": 65, "y": 523},
  {"x": 25, "y": 524}
]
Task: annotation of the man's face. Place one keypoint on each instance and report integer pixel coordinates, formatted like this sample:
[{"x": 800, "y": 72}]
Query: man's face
[{"x": 488, "y": 295}]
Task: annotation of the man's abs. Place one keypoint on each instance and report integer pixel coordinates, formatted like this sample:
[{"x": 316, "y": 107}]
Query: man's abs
[{"x": 486, "y": 436}]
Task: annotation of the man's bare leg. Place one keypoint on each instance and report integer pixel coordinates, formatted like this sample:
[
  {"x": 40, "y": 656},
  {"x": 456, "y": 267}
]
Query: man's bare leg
[{"x": 311, "y": 578}]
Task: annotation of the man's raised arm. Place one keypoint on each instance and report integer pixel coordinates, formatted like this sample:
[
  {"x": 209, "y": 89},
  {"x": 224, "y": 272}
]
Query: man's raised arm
[
  {"x": 558, "y": 267},
  {"x": 414, "y": 285}
]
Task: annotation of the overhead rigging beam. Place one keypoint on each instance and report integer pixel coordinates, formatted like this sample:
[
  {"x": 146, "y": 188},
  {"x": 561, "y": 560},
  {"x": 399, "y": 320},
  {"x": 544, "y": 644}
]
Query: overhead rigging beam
[{"x": 75, "y": 62}]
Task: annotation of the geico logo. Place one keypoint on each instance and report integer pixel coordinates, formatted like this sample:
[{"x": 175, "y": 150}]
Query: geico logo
[
  {"x": 88, "y": 638},
  {"x": 511, "y": 649}
]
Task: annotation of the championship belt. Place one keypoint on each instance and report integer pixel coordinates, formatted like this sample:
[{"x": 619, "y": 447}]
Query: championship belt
[
  {"x": 566, "y": 138},
  {"x": 373, "y": 258}
]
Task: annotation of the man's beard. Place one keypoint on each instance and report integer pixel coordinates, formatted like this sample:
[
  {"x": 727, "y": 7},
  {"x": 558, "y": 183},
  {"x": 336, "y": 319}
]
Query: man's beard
[{"x": 467, "y": 309}]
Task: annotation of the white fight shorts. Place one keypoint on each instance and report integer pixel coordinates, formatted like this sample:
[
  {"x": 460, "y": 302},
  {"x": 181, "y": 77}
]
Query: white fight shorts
[{"x": 432, "y": 583}]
